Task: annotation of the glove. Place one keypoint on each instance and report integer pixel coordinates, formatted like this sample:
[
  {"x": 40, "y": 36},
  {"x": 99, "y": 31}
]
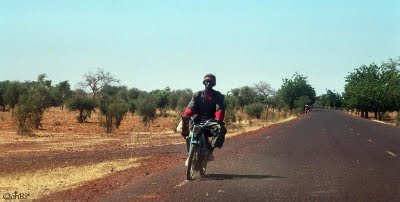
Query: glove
[
  {"x": 185, "y": 118},
  {"x": 220, "y": 122}
]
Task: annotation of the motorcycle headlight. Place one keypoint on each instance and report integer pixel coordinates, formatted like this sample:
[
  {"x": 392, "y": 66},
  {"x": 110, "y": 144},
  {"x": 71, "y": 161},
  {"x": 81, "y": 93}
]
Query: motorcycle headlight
[{"x": 196, "y": 129}]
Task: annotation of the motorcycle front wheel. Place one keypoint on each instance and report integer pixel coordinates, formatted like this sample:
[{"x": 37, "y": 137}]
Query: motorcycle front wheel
[{"x": 192, "y": 162}]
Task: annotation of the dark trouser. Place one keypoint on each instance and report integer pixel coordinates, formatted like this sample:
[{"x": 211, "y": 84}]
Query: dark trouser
[{"x": 217, "y": 140}]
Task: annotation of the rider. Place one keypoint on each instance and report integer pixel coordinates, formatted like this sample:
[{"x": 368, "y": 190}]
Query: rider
[
  {"x": 207, "y": 104},
  {"x": 306, "y": 109}
]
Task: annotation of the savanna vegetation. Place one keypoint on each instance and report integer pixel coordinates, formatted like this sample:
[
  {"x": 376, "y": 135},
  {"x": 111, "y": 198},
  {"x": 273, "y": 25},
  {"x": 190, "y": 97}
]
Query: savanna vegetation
[
  {"x": 374, "y": 88},
  {"x": 101, "y": 92},
  {"x": 370, "y": 89}
]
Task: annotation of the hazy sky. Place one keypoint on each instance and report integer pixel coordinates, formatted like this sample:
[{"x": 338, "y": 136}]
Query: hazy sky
[{"x": 153, "y": 44}]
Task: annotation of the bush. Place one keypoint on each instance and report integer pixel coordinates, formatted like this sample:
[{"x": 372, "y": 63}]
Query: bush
[
  {"x": 254, "y": 110},
  {"x": 23, "y": 115},
  {"x": 230, "y": 116},
  {"x": 132, "y": 107},
  {"x": 231, "y": 108},
  {"x": 114, "y": 111},
  {"x": 398, "y": 117},
  {"x": 146, "y": 106},
  {"x": 84, "y": 105},
  {"x": 32, "y": 105},
  {"x": 179, "y": 99}
]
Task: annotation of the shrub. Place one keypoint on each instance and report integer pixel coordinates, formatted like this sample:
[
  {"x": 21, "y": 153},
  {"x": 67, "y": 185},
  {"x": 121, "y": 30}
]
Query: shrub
[
  {"x": 230, "y": 116},
  {"x": 114, "y": 111},
  {"x": 32, "y": 105},
  {"x": 146, "y": 106},
  {"x": 23, "y": 115},
  {"x": 84, "y": 105},
  {"x": 132, "y": 107},
  {"x": 179, "y": 99},
  {"x": 254, "y": 110},
  {"x": 231, "y": 106},
  {"x": 398, "y": 117}
]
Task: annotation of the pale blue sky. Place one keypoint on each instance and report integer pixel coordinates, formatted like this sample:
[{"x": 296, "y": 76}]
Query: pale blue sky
[{"x": 153, "y": 44}]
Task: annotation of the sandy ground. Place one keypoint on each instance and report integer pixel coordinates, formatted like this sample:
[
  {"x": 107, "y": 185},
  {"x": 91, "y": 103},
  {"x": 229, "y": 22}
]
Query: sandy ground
[{"x": 69, "y": 160}]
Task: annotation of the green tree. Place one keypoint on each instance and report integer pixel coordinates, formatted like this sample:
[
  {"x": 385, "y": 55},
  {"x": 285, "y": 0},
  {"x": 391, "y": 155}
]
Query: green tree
[
  {"x": 120, "y": 92},
  {"x": 63, "y": 92},
  {"x": 389, "y": 92},
  {"x": 277, "y": 102},
  {"x": 32, "y": 104},
  {"x": 179, "y": 99},
  {"x": 60, "y": 93},
  {"x": 12, "y": 93},
  {"x": 3, "y": 89},
  {"x": 254, "y": 110},
  {"x": 295, "y": 88},
  {"x": 24, "y": 115},
  {"x": 162, "y": 97},
  {"x": 374, "y": 88},
  {"x": 231, "y": 107},
  {"x": 146, "y": 106},
  {"x": 331, "y": 99},
  {"x": 244, "y": 95},
  {"x": 362, "y": 88},
  {"x": 114, "y": 110},
  {"x": 264, "y": 90},
  {"x": 113, "y": 105},
  {"x": 83, "y": 104},
  {"x": 322, "y": 101},
  {"x": 132, "y": 94}
]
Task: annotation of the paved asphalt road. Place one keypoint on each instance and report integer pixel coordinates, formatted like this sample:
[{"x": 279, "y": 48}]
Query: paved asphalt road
[{"x": 323, "y": 156}]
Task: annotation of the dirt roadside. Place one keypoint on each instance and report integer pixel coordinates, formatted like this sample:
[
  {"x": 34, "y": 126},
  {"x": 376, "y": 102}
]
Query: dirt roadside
[
  {"x": 60, "y": 164},
  {"x": 165, "y": 157}
]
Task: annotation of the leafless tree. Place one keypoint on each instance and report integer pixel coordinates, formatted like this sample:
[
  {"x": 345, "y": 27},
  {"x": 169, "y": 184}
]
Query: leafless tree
[
  {"x": 96, "y": 81},
  {"x": 264, "y": 89}
]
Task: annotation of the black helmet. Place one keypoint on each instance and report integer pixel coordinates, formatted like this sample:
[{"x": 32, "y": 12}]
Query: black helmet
[{"x": 210, "y": 77}]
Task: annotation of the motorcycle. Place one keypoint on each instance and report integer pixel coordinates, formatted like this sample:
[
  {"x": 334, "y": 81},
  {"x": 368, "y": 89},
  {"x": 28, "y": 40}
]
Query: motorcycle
[{"x": 199, "y": 146}]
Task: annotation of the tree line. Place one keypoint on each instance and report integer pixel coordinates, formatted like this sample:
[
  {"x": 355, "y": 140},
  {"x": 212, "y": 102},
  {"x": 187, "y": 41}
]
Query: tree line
[
  {"x": 374, "y": 88},
  {"x": 100, "y": 91},
  {"x": 369, "y": 88}
]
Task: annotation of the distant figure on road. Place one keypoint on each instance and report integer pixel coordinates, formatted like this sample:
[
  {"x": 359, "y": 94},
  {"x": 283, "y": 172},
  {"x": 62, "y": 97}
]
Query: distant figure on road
[
  {"x": 207, "y": 104},
  {"x": 307, "y": 109}
]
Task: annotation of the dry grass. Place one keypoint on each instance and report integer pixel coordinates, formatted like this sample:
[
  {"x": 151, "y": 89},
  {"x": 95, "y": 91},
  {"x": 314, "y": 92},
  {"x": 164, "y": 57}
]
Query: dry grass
[
  {"x": 42, "y": 182},
  {"x": 257, "y": 124},
  {"x": 62, "y": 133},
  {"x": 388, "y": 118},
  {"x": 89, "y": 136},
  {"x": 64, "y": 121},
  {"x": 12, "y": 144}
]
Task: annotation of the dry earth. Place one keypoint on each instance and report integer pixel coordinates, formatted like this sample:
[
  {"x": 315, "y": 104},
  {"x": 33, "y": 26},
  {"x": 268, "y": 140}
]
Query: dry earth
[{"x": 69, "y": 160}]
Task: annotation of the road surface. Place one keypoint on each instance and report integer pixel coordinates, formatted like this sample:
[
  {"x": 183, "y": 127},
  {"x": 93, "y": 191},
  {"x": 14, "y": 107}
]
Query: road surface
[{"x": 322, "y": 156}]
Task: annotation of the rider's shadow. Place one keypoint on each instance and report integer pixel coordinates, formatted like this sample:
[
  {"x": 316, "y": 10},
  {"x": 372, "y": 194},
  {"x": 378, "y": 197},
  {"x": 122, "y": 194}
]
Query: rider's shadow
[{"x": 238, "y": 177}]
